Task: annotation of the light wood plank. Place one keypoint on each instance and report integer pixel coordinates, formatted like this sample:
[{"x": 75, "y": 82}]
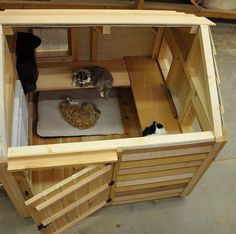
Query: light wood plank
[
  {"x": 60, "y": 77},
  {"x": 74, "y": 205},
  {"x": 61, "y": 184},
  {"x": 89, "y": 212},
  {"x": 157, "y": 174},
  {"x": 136, "y": 143},
  {"x": 154, "y": 180},
  {"x": 23, "y": 163},
  {"x": 149, "y": 93},
  {"x": 145, "y": 199},
  {"x": 166, "y": 153},
  {"x": 154, "y": 194},
  {"x": 152, "y": 185},
  {"x": 162, "y": 161},
  {"x": 72, "y": 188},
  {"x": 98, "y": 17},
  {"x": 159, "y": 167}
]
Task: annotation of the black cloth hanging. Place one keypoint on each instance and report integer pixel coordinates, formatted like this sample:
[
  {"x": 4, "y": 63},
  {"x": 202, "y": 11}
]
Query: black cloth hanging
[{"x": 26, "y": 63}]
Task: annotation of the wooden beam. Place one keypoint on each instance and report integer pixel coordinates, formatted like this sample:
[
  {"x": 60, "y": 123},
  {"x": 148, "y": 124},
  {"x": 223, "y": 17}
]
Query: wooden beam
[
  {"x": 59, "y": 160},
  {"x": 212, "y": 13},
  {"x": 138, "y": 143},
  {"x": 12, "y": 189},
  {"x": 157, "y": 43},
  {"x": 99, "y": 18},
  {"x": 139, "y": 4},
  {"x": 210, "y": 76},
  {"x": 3, "y": 120}
]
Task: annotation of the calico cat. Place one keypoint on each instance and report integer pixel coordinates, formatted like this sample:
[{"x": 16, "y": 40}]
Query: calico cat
[
  {"x": 100, "y": 77},
  {"x": 82, "y": 116},
  {"x": 154, "y": 129}
]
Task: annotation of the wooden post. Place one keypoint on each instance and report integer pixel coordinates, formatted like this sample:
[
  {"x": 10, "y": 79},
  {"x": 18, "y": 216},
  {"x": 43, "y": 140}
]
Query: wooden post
[
  {"x": 157, "y": 43},
  {"x": 139, "y": 4},
  {"x": 12, "y": 188}
]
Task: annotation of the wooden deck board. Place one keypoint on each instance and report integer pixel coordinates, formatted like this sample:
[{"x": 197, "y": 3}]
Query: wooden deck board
[{"x": 149, "y": 93}]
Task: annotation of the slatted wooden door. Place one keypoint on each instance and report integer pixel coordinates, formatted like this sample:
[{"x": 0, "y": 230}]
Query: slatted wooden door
[{"x": 71, "y": 200}]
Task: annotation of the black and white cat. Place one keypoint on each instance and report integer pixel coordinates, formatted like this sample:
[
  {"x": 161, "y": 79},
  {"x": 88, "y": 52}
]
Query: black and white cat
[
  {"x": 154, "y": 129},
  {"x": 100, "y": 77}
]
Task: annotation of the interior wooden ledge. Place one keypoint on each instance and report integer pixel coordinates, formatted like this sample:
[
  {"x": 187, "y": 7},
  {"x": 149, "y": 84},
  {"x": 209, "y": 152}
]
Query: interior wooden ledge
[{"x": 60, "y": 76}]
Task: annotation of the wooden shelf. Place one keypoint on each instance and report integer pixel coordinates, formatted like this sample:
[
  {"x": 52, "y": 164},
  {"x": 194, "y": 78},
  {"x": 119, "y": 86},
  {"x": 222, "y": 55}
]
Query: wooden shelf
[
  {"x": 149, "y": 94},
  {"x": 60, "y": 76}
]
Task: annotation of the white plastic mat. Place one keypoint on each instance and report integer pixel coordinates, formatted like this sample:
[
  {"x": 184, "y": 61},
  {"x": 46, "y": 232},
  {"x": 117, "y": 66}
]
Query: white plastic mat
[{"x": 51, "y": 123}]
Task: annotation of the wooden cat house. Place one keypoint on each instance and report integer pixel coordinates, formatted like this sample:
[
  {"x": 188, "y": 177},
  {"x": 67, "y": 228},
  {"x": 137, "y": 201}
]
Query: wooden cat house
[{"x": 164, "y": 69}]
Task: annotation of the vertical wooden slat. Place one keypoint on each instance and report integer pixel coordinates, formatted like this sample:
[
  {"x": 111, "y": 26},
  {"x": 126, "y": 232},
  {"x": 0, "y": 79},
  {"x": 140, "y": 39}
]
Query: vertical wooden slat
[
  {"x": 74, "y": 40},
  {"x": 94, "y": 43},
  {"x": 157, "y": 43}
]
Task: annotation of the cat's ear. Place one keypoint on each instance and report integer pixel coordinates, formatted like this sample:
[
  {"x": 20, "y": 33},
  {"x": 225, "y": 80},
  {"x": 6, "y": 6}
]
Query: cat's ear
[
  {"x": 159, "y": 125},
  {"x": 154, "y": 122}
]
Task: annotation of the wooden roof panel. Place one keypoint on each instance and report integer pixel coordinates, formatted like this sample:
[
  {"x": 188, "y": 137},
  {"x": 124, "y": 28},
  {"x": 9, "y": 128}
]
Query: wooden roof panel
[{"x": 100, "y": 17}]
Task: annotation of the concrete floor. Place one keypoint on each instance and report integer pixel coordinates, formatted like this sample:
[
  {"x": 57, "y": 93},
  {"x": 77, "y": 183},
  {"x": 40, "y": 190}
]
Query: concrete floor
[{"x": 211, "y": 207}]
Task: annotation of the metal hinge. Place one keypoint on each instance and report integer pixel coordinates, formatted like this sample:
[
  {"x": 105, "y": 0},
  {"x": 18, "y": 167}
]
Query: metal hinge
[{"x": 41, "y": 227}]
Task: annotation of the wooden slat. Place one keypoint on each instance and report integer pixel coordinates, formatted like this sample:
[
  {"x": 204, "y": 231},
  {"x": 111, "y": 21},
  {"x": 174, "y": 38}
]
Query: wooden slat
[
  {"x": 154, "y": 180},
  {"x": 97, "y": 17},
  {"x": 61, "y": 184},
  {"x": 159, "y": 167},
  {"x": 145, "y": 199},
  {"x": 43, "y": 161},
  {"x": 12, "y": 188},
  {"x": 152, "y": 185},
  {"x": 166, "y": 153},
  {"x": 74, "y": 205},
  {"x": 210, "y": 76},
  {"x": 3, "y": 120},
  {"x": 205, "y": 165},
  {"x": 72, "y": 188},
  {"x": 63, "y": 75},
  {"x": 162, "y": 161},
  {"x": 143, "y": 196},
  {"x": 156, "y": 174},
  {"x": 187, "y": 8},
  {"x": 136, "y": 143},
  {"x": 150, "y": 190},
  {"x": 157, "y": 43},
  {"x": 89, "y": 212},
  {"x": 74, "y": 37},
  {"x": 149, "y": 93}
]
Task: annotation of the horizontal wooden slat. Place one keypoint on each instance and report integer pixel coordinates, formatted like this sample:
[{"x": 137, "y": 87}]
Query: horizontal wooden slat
[
  {"x": 145, "y": 199},
  {"x": 44, "y": 161},
  {"x": 146, "y": 195},
  {"x": 63, "y": 75},
  {"x": 72, "y": 188},
  {"x": 150, "y": 190},
  {"x": 159, "y": 167},
  {"x": 166, "y": 153},
  {"x": 74, "y": 205},
  {"x": 136, "y": 143},
  {"x": 162, "y": 161},
  {"x": 152, "y": 185},
  {"x": 98, "y": 17},
  {"x": 63, "y": 183},
  {"x": 154, "y": 180},
  {"x": 89, "y": 212},
  {"x": 156, "y": 174}
]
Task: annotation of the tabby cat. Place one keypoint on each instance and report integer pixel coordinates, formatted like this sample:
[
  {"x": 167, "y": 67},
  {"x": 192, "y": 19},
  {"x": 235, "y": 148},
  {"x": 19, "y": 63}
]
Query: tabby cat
[
  {"x": 100, "y": 77},
  {"x": 82, "y": 116}
]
